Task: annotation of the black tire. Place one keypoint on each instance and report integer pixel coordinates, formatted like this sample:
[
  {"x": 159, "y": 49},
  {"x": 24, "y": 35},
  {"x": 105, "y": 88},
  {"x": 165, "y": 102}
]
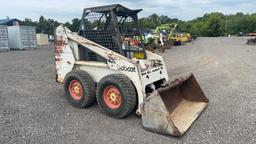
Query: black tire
[
  {"x": 88, "y": 97},
  {"x": 128, "y": 95}
]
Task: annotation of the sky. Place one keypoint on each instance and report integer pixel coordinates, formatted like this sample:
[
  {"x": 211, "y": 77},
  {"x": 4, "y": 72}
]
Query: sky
[{"x": 66, "y": 10}]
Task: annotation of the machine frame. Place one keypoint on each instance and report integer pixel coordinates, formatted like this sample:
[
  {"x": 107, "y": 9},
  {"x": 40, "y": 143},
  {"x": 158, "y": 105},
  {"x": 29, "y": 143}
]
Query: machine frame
[{"x": 145, "y": 74}]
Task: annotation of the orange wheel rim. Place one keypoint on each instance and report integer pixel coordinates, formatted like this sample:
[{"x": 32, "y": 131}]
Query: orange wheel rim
[
  {"x": 112, "y": 97},
  {"x": 76, "y": 90}
]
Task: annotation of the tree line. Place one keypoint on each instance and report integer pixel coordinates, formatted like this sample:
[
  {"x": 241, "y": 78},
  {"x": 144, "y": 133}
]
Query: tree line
[
  {"x": 210, "y": 25},
  {"x": 48, "y": 26}
]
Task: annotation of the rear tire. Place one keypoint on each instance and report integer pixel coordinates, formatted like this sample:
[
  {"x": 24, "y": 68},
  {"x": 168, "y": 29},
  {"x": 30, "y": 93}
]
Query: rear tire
[
  {"x": 116, "y": 96},
  {"x": 79, "y": 89}
]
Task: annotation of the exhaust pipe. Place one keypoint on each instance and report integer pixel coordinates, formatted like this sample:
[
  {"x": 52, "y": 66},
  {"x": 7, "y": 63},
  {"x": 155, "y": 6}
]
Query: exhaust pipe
[{"x": 171, "y": 110}]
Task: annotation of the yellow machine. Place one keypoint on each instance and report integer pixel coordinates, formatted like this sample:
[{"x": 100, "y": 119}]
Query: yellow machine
[
  {"x": 179, "y": 38},
  {"x": 185, "y": 37}
]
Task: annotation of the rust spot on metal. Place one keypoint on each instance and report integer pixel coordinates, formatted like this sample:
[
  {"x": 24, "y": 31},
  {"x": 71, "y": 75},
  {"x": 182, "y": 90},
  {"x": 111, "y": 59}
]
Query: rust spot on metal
[
  {"x": 58, "y": 59},
  {"x": 59, "y": 45}
]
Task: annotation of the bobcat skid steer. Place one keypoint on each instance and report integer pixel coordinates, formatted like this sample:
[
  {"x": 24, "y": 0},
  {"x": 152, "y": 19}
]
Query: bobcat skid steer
[{"x": 106, "y": 62}]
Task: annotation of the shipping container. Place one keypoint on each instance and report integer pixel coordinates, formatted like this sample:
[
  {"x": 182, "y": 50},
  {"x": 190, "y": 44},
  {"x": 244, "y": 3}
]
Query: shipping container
[
  {"x": 4, "y": 46},
  {"x": 22, "y": 37},
  {"x": 42, "y": 39}
]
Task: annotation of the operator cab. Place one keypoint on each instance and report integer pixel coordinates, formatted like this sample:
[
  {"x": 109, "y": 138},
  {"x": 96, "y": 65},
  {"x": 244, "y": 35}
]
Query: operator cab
[{"x": 114, "y": 27}]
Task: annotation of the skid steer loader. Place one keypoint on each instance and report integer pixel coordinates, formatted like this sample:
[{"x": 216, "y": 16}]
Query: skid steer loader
[{"x": 105, "y": 62}]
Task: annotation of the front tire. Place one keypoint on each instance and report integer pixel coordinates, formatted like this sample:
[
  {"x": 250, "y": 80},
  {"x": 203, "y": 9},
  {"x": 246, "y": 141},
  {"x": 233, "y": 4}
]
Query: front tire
[
  {"x": 116, "y": 96},
  {"x": 79, "y": 89}
]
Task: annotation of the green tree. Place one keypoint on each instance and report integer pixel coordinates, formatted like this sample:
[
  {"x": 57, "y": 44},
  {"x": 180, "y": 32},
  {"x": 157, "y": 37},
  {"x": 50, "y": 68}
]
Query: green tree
[
  {"x": 215, "y": 25},
  {"x": 212, "y": 24},
  {"x": 29, "y": 22},
  {"x": 75, "y": 24}
]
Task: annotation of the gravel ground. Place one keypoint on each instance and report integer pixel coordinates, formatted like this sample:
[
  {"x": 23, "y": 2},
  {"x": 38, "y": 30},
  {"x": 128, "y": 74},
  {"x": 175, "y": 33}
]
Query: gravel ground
[{"x": 34, "y": 110}]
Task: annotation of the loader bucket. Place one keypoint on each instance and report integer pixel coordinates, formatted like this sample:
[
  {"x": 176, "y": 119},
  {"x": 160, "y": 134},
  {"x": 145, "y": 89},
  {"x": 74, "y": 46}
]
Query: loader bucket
[{"x": 172, "y": 109}]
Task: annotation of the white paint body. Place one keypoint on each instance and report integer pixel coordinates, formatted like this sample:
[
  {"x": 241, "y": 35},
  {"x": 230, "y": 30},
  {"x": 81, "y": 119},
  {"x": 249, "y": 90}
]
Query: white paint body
[{"x": 141, "y": 72}]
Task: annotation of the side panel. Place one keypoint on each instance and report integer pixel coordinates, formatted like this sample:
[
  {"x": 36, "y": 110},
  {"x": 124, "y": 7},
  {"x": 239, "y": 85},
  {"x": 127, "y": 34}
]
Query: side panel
[
  {"x": 75, "y": 50},
  {"x": 64, "y": 58},
  {"x": 4, "y": 46},
  {"x": 152, "y": 75},
  {"x": 14, "y": 37},
  {"x": 153, "y": 56},
  {"x": 97, "y": 73}
]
